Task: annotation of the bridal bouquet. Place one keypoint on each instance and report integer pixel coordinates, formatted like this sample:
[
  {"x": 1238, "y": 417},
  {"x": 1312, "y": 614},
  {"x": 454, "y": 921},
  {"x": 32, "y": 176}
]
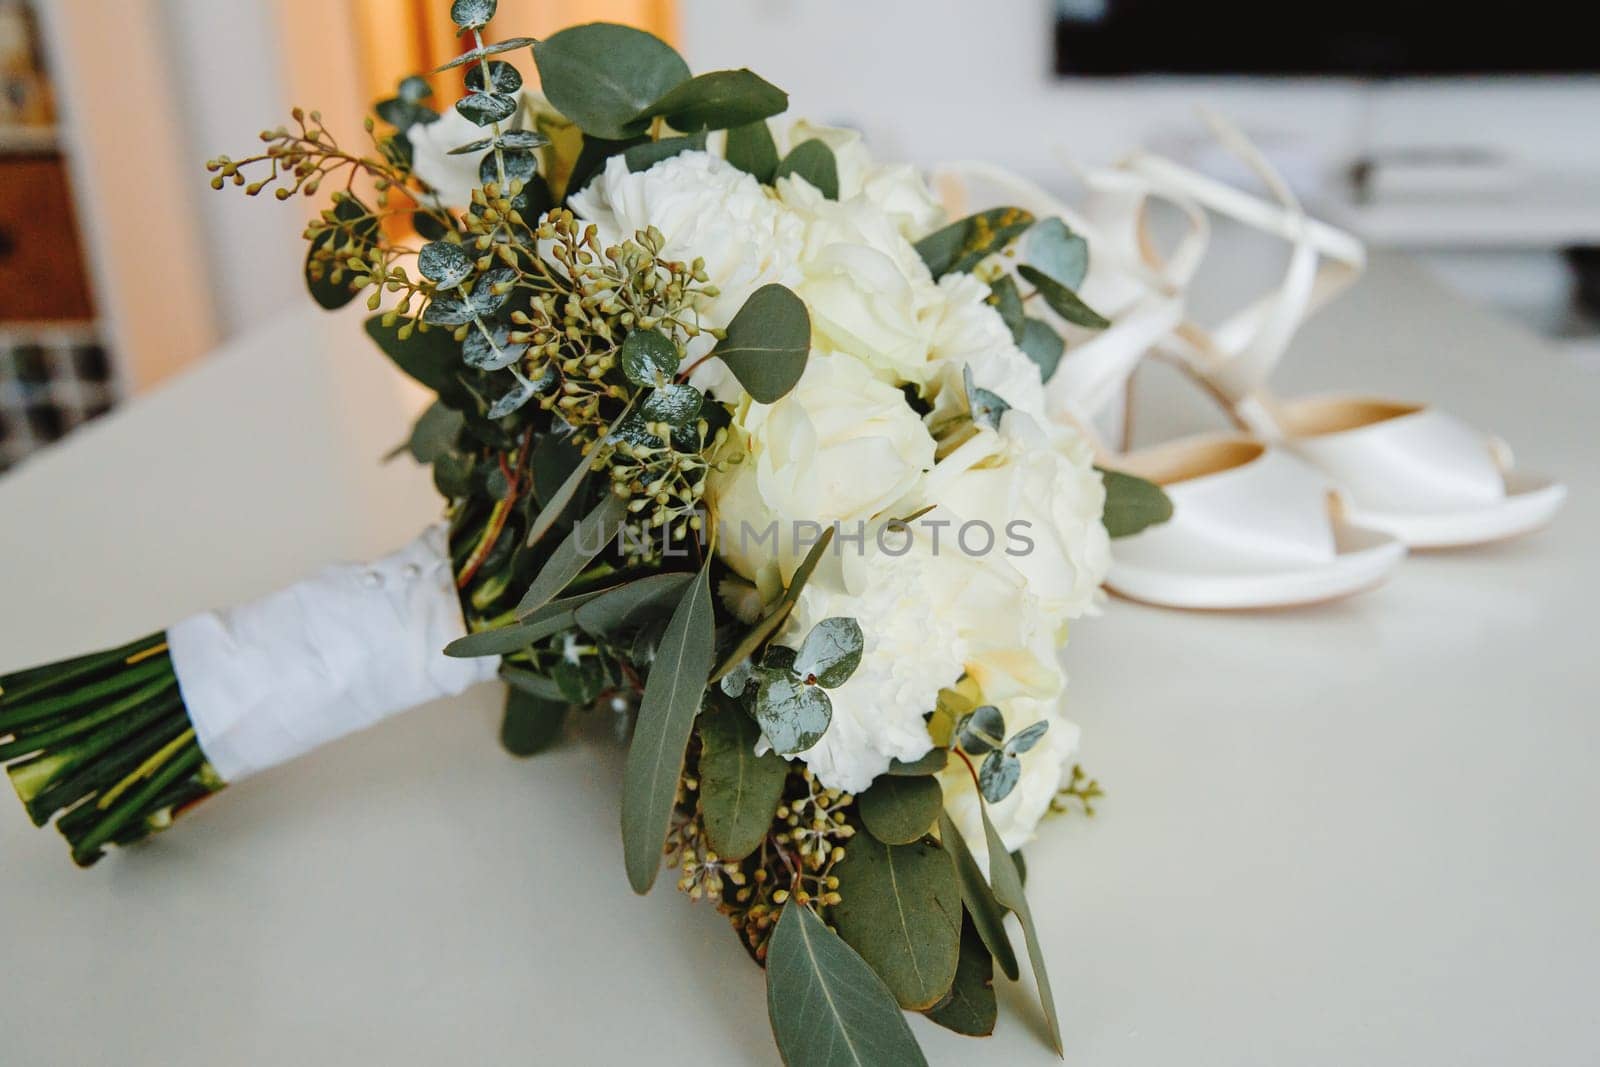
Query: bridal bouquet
[{"x": 739, "y": 435}]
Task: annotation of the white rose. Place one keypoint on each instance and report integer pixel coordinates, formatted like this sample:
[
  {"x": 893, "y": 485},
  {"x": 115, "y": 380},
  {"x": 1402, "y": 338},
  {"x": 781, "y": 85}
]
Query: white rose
[
  {"x": 705, "y": 208},
  {"x": 969, "y": 334},
  {"x": 452, "y": 178},
  {"x": 1050, "y": 484},
  {"x": 912, "y": 650},
  {"x": 1017, "y": 816},
  {"x": 898, "y": 190},
  {"x": 841, "y": 446},
  {"x": 867, "y": 289}
]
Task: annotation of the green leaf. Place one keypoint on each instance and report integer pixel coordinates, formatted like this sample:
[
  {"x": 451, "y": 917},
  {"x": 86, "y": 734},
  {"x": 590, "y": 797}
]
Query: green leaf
[
  {"x": 1132, "y": 504},
  {"x": 444, "y": 263},
  {"x": 998, "y": 776},
  {"x": 672, "y": 696},
  {"x": 718, "y": 101},
  {"x": 739, "y": 790},
  {"x": 831, "y": 652},
  {"x": 602, "y": 76},
  {"x": 898, "y": 810},
  {"x": 676, "y": 405},
  {"x": 902, "y": 912},
  {"x": 812, "y": 160},
  {"x": 983, "y": 729},
  {"x": 971, "y": 1007},
  {"x": 1043, "y": 345},
  {"x": 1005, "y": 299},
  {"x": 627, "y": 607},
  {"x": 649, "y": 153},
  {"x": 472, "y": 14},
  {"x": 589, "y": 537},
  {"x": 988, "y": 914},
  {"x": 486, "y": 109},
  {"x": 1053, "y": 248},
  {"x": 592, "y": 159},
  {"x": 1063, "y": 301},
  {"x": 360, "y": 226},
  {"x": 432, "y": 358},
  {"x": 503, "y": 78},
  {"x": 932, "y": 763},
  {"x": 505, "y": 640},
  {"x": 767, "y": 343},
  {"x": 780, "y": 611},
  {"x": 530, "y": 725},
  {"x": 491, "y": 353},
  {"x": 986, "y": 408},
  {"x": 827, "y": 1007},
  {"x": 526, "y": 681},
  {"x": 435, "y": 433},
  {"x": 479, "y": 54},
  {"x": 1007, "y": 883},
  {"x": 558, "y": 500},
  {"x": 793, "y": 715},
  {"x": 962, "y": 245},
  {"x": 752, "y": 150},
  {"x": 648, "y": 357}
]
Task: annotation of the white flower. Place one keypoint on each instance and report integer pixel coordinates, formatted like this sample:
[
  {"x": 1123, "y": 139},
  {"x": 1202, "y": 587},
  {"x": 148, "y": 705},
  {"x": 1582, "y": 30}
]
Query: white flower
[
  {"x": 1017, "y": 816},
  {"x": 841, "y": 446},
  {"x": 969, "y": 334},
  {"x": 866, "y": 288},
  {"x": 897, "y": 189},
  {"x": 912, "y": 651},
  {"x": 705, "y": 208},
  {"x": 1050, "y": 484},
  {"x": 452, "y": 178}
]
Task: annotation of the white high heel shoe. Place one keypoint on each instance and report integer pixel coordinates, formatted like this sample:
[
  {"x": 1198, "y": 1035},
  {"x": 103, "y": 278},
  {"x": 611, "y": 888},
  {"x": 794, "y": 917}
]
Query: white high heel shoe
[
  {"x": 1252, "y": 525},
  {"x": 1410, "y": 470}
]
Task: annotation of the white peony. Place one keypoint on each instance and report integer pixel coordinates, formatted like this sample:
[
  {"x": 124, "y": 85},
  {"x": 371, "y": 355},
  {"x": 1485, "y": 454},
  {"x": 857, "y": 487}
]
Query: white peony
[
  {"x": 1049, "y": 483},
  {"x": 898, "y": 190},
  {"x": 1017, "y": 816},
  {"x": 969, "y": 334},
  {"x": 452, "y": 178},
  {"x": 708, "y": 209},
  {"x": 912, "y": 650},
  {"x": 868, "y": 291},
  {"x": 841, "y": 446}
]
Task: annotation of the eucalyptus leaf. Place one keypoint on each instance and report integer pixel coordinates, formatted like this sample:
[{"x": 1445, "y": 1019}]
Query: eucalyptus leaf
[
  {"x": 592, "y": 159},
  {"x": 535, "y": 685},
  {"x": 493, "y": 351},
  {"x": 736, "y": 681},
  {"x": 826, "y": 1006},
  {"x": 1007, "y": 883},
  {"x": 1025, "y": 738},
  {"x": 752, "y": 149},
  {"x": 642, "y": 157},
  {"x": 1062, "y": 300},
  {"x": 739, "y": 790},
  {"x": 435, "y": 433},
  {"x": 1132, "y": 504},
  {"x": 901, "y": 911},
  {"x": 673, "y": 692},
  {"x": 558, "y": 501},
  {"x": 482, "y": 144},
  {"x": 518, "y": 166},
  {"x": 998, "y": 776},
  {"x": 767, "y": 342},
  {"x": 1005, "y": 299},
  {"x": 648, "y": 357},
  {"x": 988, "y": 915},
  {"x": 1053, "y": 248},
  {"x": 898, "y": 810},
  {"x": 530, "y": 725},
  {"x": 486, "y": 109},
  {"x": 477, "y": 55},
  {"x": 962, "y": 245},
  {"x": 360, "y": 226},
  {"x": 589, "y": 536},
  {"x": 503, "y": 79},
  {"x": 432, "y": 358},
  {"x": 793, "y": 715},
  {"x": 676, "y": 405},
  {"x": 831, "y": 652},
  {"x": 814, "y": 161},
  {"x": 630, "y": 606},
  {"x": 602, "y": 76},
  {"x": 513, "y": 399},
  {"x": 521, "y": 140},
  {"x": 780, "y": 611},
  {"x": 987, "y": 408},
  {"x": 1043, "y": 345},
  {"x": 971, "y": 1007},
  {"x": 932, "y": 763},
  {"x": 718, "y": 101},
  {"x": 983, "y": 729},
  {"x": 445, "y": 263},
  {"x": 472, "y": 14}
]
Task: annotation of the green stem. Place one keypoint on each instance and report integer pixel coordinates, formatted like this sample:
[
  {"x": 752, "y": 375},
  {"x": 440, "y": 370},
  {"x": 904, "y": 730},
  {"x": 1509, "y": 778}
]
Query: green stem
[
  {"x": 87, "y": 849},
  {"x": 21, "y": 686},
  {"x": 19, "y": 714},
  {"x": 167, "y": 684}
]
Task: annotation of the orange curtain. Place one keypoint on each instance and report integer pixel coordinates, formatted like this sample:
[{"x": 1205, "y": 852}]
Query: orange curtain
[{"x": 401, "y": 37}]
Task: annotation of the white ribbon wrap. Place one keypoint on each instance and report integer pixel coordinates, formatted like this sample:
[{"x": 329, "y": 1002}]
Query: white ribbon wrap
[{"x": 267, "y": 681}]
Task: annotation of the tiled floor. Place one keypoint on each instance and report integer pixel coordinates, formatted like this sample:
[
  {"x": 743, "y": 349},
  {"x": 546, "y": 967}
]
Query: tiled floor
[{"x": 52, "y": 379}]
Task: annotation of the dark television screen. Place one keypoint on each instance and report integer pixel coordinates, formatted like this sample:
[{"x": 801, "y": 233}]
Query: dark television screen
[{"x": 1346, "y": 38}]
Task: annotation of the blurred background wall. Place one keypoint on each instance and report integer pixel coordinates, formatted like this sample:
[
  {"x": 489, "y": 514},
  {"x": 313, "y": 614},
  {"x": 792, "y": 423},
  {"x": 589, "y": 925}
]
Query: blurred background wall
[{"x": 1494, "y": 178}]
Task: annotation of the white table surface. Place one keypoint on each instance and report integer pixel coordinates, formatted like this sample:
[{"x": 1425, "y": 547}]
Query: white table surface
[{"x": 1360, "y": 834}]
